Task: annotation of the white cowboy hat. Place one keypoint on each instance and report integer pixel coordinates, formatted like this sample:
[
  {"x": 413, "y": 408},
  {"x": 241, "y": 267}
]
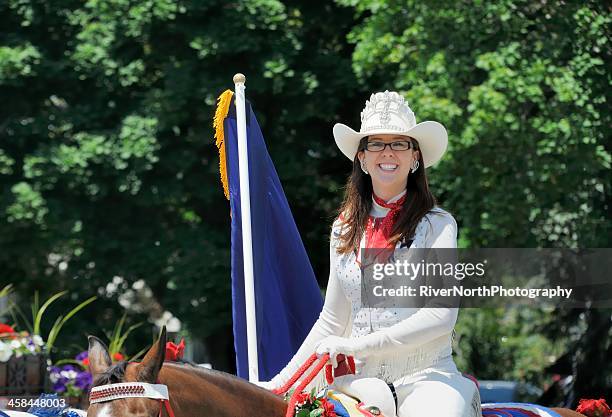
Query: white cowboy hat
[{"x": 388, "y": 113}]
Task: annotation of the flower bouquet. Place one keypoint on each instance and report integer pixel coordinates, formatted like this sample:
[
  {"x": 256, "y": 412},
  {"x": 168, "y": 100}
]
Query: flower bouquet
[
  {"x": 22, "y": 362},
  {"x": 312, "y": 405},
  {"x": 594, "y": 408},
  {"x": 24, "y": 355},
  {"x": 72, "y": 381},
  {"x": 18, "y": 344}
]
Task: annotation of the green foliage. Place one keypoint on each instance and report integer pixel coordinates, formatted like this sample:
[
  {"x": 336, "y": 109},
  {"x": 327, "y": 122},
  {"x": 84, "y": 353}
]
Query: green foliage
[
  {"x": 505, "y": 344},
  {"x": 62, "y": 320},
  {"x": 4, "y": 293},
  {"x": 522, "y": 88},
  {"x": 107, "y": 163},
  {"x": 28, "y": 205},
  {"x": 6, "y": 290},
  {"x": 18, "y": 62},
  {"x": 38, "y": 313},
  {"x": 118, "y": 337}
]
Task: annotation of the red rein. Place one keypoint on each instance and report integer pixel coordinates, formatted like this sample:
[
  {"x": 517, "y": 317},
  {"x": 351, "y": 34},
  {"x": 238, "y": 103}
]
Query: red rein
[
  {"x": 166, "y": 404},
  {"x": 301, "y": 370}
]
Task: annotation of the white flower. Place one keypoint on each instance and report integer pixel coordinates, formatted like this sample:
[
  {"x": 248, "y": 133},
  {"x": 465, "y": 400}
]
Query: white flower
[
  {"x": 5, "y": 352},
  {"x": 69, "y": 374},
  {"x": 15, "y": 344},
  {"x": 38, "y": 341}
]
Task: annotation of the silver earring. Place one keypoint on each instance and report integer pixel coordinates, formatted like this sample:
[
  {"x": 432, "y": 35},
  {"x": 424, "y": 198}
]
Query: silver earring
[
  {"x": 363, "y": 168},
  {"x": 415, "y": 166}
]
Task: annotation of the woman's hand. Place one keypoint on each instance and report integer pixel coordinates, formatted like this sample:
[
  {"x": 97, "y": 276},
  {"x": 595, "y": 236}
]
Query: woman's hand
[{"x": 335, "y": 345}]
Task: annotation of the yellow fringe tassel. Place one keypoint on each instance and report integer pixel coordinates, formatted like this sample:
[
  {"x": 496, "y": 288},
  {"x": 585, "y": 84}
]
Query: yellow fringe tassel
[{"x": 223, "y": 103}]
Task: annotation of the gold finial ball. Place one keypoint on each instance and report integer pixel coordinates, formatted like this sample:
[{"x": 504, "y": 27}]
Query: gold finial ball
[{"x": 239, "y": 78}]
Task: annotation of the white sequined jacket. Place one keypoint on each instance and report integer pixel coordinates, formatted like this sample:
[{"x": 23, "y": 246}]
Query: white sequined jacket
[{"x": 399, "y": 341}]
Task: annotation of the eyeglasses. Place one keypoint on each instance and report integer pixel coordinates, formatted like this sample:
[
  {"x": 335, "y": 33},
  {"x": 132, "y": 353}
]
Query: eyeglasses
[{"x": 376, "y": 146}]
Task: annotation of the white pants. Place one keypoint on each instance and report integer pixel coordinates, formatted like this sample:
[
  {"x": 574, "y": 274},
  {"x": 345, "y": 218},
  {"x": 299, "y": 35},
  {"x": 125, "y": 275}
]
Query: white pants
[{"x": 441, "y": 391}]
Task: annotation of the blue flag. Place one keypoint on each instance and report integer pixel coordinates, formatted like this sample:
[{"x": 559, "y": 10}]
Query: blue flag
[{"x": 287, "y": 297}]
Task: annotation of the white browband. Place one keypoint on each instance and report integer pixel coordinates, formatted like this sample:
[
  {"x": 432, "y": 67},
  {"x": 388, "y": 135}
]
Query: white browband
[{"x": 128, "y": 390}]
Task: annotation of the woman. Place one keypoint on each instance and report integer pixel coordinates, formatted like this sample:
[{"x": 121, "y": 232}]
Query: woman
[{"x": 403, "y": 355}]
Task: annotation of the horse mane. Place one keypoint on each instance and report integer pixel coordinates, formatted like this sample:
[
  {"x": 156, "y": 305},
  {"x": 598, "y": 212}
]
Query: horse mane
[
  {"x": 183, "y": 362},
  {"x": 219, "y": 376},
  {"x": 116, "y": 372}
]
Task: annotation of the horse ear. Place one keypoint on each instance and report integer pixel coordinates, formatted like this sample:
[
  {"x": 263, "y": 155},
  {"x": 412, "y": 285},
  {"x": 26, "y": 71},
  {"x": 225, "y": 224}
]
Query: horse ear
[
  {"x": 154, "y": 359},
  {"x": 99, "y": 358}
]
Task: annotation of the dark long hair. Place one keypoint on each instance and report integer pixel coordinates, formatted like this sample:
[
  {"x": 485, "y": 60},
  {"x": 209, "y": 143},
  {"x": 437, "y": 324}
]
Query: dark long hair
[{"x": 357, "y": 204}]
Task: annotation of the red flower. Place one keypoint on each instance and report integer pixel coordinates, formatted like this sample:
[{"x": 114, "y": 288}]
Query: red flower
[
  {"x": 302, "y": 398},
  {"x": 118, "y": 357},
  {"x": 5, "y": 328},
  {"x": 175, "y": 352},
  {"x": 86, "y": 361},
  {"x": 593, "y": 408},
  {"x": 328, "y": 408}
]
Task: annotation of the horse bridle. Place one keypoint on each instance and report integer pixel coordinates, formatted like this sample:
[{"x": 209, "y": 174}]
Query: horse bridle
[{"x": 110, "y": 392}]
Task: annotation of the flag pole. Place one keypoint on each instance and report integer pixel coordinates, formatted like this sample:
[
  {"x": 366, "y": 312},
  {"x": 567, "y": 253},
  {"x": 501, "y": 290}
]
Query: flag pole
[{"x": 247, "y": 247}]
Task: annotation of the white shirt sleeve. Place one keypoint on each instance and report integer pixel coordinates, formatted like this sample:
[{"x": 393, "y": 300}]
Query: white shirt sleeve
[
  {"x": 333, "y": 320},
  {"x": 427, "y": 323}
]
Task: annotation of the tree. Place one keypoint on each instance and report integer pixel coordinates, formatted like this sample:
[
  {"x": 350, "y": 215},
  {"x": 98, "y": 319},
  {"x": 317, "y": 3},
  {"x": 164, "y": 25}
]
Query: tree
[
  {"x": 523, "y": 90},
  {"x": 107, "y": 163}
]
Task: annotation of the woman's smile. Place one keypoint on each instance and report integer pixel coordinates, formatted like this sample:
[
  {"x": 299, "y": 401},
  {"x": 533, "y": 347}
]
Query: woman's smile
[{"x": 388, "y": 167}]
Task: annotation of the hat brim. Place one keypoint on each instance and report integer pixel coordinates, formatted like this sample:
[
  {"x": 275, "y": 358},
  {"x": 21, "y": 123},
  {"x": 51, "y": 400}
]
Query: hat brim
[{"x": 431, "y": 136}]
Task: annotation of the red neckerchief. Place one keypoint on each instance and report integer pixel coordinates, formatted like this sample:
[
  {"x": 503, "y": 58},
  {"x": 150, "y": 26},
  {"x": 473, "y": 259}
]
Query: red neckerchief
[{"x": 379, "y": 229}]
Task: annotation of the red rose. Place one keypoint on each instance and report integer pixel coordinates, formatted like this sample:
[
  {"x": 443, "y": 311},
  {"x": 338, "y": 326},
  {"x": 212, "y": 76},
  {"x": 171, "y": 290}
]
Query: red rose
[
  {"x": 86, "y": 361},
  {"x": 175, "y": 352},
  {"x": 593, "y": 408},
  {"x": 303, "y": 398},
  {"x": 328, "y": 408},
  {"x": 118, "y": 357}
]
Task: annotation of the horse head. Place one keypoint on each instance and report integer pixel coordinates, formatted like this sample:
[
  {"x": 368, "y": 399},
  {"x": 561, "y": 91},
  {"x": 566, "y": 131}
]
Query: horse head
[
  {"x": 154, "y": 388},
  {"x": 107, "y": 374}
]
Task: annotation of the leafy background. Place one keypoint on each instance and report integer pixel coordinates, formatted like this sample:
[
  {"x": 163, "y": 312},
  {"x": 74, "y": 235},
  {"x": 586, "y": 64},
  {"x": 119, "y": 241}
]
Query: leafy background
[{"x": 109, "y": 175}]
